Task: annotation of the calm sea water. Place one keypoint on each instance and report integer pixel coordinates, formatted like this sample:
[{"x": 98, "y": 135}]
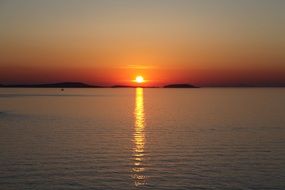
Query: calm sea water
[{"x": 142, "y": 139}]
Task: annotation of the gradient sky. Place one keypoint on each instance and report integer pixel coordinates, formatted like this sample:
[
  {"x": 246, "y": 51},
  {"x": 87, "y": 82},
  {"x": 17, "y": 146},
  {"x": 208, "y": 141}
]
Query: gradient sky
[{"x": 203, "y": 42}]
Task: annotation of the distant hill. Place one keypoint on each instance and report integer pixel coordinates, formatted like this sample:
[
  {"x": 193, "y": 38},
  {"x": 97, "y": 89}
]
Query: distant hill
[
  {"x": 83, "y": 85},
  {"x": 53, "y": 85},
  {"x": 122, "y": 86},
  {"x": 180, "y": 86}
]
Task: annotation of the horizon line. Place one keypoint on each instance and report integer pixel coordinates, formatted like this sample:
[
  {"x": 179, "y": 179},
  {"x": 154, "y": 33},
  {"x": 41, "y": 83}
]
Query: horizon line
[{"x": 94, "y": 85}]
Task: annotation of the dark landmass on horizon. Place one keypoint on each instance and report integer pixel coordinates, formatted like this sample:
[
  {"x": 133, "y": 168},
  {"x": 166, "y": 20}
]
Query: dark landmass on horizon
[
  {"x": 129, "y": 86},
  {"x": 245, "y": 85},
  {"x": 83, "y": 85},
  {"x": 180, "y": 86},
  {"x": 52, "y": 85},
  {"x": 122, "y": 86},
  {"x": 175, "y": 85}
]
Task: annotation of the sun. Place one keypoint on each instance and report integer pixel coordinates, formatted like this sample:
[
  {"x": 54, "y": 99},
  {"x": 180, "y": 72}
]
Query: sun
[{"x": 139, "y": 79}]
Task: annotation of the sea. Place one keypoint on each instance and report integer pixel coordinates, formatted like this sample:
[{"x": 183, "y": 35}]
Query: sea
[{"x": 142, "y": 138}]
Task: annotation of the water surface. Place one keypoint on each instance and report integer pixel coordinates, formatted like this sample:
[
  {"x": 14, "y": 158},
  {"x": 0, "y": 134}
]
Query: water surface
[{"x": 142, "y": 138}]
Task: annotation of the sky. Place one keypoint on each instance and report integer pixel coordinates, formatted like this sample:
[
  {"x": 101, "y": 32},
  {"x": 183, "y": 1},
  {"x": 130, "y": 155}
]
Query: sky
[{"x": 106, "y": 42}]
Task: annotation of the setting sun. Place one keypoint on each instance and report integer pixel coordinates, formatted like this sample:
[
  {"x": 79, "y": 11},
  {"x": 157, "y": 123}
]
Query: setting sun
[{"x": 139, "y": 79}]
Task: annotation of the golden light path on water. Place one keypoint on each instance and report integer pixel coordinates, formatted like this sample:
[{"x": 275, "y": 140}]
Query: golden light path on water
[{"x": 139, "y": 140}]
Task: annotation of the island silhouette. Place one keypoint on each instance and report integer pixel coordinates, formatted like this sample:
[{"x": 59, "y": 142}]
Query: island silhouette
[
  {"x": 122, "y": 86},
  {"x": 180, "y": 86},
  {"x": 174, "y": 85},
  {"x": 53, "y": 85},
  {"x": 84, "y": 85}
]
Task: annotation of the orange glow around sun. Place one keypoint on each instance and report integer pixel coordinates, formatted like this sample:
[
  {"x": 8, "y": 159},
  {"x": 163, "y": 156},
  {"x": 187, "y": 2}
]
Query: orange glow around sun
[{"x": 139, "y": 79}]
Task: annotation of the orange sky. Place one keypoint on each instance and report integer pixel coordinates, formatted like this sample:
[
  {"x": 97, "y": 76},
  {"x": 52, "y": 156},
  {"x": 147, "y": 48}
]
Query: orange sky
[{"x": 215, "y": 42}]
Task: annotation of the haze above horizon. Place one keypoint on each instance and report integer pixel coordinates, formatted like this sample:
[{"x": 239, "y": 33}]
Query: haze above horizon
[{"x": 111, "y": 42}]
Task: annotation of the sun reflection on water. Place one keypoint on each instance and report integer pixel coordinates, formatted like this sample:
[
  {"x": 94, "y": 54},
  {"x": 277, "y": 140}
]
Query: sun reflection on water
[{"x": 139, "y": 140}]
